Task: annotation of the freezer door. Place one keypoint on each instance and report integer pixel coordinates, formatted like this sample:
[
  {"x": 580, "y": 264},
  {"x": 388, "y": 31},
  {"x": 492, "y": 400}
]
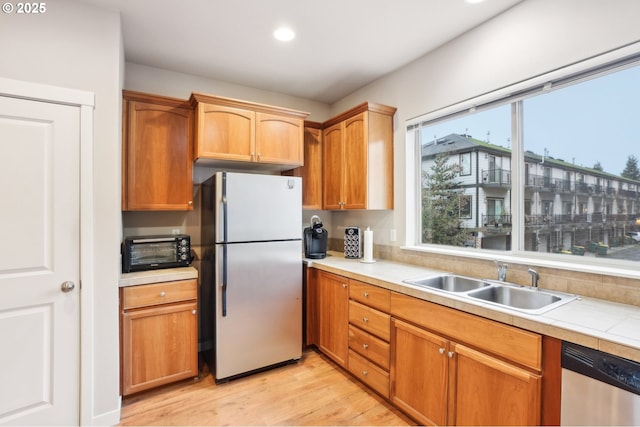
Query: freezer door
[
  {"x": 261, "y": 324},
  {"x": 258, "y": 207}
]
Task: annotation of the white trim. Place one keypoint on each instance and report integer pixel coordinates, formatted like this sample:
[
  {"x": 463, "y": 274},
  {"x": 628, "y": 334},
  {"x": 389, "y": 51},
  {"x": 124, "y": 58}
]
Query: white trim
[
  {"x": 87, "y": 322},
  {"x": 85, "y": 101},
  {"x": 517, "y": 255},
  {"x": 41, "y": 92},
  {"x": 525, "y": 85}
]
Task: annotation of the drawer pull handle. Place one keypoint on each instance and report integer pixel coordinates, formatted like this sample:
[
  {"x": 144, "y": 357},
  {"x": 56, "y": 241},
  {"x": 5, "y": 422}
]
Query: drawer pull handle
[
  {"x": 366, "y": 294},
  {"x": 163, "y": 294},
  {"x": 365, "y": 319},
  {"x": 366, "y": 346},
  {"x": 364, "y": 373},
  {"x": 441, "y": 350}
]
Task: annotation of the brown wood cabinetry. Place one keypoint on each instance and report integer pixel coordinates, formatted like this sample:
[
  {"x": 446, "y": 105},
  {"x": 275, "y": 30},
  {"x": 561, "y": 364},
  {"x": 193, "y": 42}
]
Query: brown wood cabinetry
[
  {"x": 493, "y": 378},
  {"x": 159, "y": 334},
  {"x": 333, "y": 316},
  {"x": 358, "y": 159},
  {"x": 157, "y": 153},
  {"x": 439, "y": 365},
  {"x": 311, "y": 172},
  {"x": 369, "y": 331},
  {"x": 234, "y": 132}
]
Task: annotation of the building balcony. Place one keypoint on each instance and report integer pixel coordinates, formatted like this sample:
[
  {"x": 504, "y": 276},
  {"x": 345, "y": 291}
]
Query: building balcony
[
  {"x": 496, "y": 220},
  {"x": 496, "y": 178}
]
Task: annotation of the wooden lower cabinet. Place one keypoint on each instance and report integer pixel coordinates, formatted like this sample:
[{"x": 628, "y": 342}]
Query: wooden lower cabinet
[
  {"x": 440, "y": 382},
  {"x": 159, "y": 332},
  {"x": 419, "y": 368},
  {"x": 438, "y": 365},
  {"x": 333, "y": 316},
  {"x": 489, "y": 391}
]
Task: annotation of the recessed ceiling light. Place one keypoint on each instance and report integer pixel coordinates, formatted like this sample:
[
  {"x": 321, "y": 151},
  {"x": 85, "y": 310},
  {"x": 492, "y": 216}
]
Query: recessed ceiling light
[{"x": 284, "y": 34}]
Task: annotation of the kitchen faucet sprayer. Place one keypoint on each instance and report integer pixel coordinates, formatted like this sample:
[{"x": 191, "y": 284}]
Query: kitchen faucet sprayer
[
  {"x": 534, "y": 278},
  {"x": 502, "y": 270}
]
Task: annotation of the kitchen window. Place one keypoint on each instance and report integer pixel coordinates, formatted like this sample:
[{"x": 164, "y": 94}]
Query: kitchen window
[{"x": 550, "y": 168}]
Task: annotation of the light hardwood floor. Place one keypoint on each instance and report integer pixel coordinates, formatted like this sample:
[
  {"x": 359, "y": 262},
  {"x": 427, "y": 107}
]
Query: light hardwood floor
[{"x": 311, "y": 392}]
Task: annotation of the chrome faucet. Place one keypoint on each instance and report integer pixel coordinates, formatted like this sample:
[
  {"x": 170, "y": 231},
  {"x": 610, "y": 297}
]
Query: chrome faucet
[
  {"x": 534, "y": 278},
  {"x": 502, "y": 270}
]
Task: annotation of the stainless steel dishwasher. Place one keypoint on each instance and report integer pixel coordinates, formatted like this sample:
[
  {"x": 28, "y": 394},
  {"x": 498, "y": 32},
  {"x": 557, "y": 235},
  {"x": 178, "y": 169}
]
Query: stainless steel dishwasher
[{"x": 598, "y": 388}]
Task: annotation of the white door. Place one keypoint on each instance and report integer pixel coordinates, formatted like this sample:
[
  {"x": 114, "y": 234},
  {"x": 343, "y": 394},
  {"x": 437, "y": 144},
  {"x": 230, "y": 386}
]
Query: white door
[{"x": 39, "y": 263}]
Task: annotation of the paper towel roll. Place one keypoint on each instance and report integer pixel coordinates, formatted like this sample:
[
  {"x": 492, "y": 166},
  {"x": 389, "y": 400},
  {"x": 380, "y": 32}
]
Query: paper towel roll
[{"x": 368, "y": 245}]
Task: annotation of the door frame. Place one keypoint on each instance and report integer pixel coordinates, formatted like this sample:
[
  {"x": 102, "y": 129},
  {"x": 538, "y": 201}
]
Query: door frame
[{"x": 85, "y": 101}]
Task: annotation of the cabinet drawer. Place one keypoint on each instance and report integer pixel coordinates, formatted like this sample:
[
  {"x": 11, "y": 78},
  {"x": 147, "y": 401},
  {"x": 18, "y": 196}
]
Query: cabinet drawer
[
  {"x": 159, "y": 293},
  {"x": 373, "y": 296},
  {"x": 369, "y": 346},
  {"x": 369, "y": 373},
  {"x": 369, "y": 319}
]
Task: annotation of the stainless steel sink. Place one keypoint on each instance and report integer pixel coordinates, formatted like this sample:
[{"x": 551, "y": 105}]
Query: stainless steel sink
[
  {"x": 528, "y": 300},
  {"x": 501, "y": 294},
  {"x": 449, "y": 283}
]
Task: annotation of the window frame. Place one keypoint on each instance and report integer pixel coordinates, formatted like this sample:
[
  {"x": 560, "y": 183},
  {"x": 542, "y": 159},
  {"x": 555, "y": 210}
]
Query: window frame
[{"x": 619, "y": 59}]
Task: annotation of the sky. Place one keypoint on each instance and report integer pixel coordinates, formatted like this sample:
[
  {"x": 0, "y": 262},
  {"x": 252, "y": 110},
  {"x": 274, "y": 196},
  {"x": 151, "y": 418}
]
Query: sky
[{"x": 593, "y": 121}]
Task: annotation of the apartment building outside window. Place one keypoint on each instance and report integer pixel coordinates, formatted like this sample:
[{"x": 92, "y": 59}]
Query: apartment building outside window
[{"x": 580, "y": 143}]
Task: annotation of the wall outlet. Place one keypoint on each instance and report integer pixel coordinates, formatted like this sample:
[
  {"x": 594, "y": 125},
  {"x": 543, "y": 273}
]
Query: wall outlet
[{"x": 392, "y": 235}]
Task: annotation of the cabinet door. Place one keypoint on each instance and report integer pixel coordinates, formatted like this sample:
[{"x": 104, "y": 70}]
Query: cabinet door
[
  {"x": 225, "y": 133},
  {"x": 311, "y": 172},
  {"x": 419, "y": 369},
  {"x": 333, "y": 167},
  {"x": 157, "y": 158},
  {"x": 489, "y": 391},
  {"x": 355, "y": 162},
  {"x": 159, "y": 346},
  {"x": 333, "y": 316},
  {"x": 279, "y": 139}
]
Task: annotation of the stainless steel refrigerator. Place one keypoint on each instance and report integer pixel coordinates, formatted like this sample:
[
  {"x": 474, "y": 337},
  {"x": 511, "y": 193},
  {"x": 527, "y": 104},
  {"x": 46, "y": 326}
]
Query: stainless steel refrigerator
[{"x": 251, "y": 284}]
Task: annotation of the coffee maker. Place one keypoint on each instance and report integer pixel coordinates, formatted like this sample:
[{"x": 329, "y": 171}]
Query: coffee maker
[{"x": 315, "y": 239}]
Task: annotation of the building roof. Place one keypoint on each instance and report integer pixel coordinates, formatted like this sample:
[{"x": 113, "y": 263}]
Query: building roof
[{"x": 455, "y": 143}]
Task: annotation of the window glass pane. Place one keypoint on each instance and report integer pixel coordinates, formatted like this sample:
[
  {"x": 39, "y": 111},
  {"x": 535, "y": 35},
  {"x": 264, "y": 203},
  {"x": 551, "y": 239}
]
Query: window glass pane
[
  {"x": 582, "y": 147},
  {"x": 466, "y": 180}
]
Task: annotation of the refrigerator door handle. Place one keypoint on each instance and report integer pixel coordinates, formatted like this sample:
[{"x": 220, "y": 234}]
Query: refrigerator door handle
[
  {"x": 224, "y": 280},
  {"x": 224, "y": 244}
]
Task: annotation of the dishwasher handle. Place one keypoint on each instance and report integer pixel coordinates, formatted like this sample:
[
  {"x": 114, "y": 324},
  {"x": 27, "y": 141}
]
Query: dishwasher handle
[{"x": 610, "y": 369}]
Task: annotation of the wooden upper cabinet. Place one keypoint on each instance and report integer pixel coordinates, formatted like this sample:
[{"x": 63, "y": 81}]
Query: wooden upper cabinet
[
  {"x": 225, "y": 133},
  {"x": 358, "y": 159},
  {"x": 157, "y": 154},
  {"x": 239, "y": 133},
  {"x": 311, "y": 172},
  {"x": 279, "y": 139}
]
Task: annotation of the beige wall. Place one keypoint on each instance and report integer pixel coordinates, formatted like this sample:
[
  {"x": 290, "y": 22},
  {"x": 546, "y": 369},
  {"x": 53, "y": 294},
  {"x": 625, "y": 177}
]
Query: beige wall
[{"x": 77, "y": 46}]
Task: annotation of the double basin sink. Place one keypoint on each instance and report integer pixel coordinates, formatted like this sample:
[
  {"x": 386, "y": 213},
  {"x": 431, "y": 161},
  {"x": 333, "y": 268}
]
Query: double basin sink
[{"x": 502, "y": 294}]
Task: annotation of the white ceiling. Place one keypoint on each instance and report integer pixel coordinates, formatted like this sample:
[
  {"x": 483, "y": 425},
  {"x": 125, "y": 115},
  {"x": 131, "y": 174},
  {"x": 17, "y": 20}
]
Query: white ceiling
[{"x": 341, "y": 45}]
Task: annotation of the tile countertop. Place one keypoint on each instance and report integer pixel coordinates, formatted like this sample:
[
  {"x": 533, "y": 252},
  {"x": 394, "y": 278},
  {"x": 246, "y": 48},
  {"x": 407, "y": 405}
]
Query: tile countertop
[
  {"x": 155, "y": 276},
  {"x": 608, "y": 326}
]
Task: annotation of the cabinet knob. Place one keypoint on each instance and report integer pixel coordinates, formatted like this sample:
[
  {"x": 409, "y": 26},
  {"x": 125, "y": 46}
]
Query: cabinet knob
[
  {"x": 344, "y": 285},
  {"x": 366, "y": 346},
  {"x": 190, "y": 202},
  {"x": 163, "y": 294},
  {"x": 441, "y": 350},
  {"x": 365, "y": 319},
  {"x": 365, "y": 373},
  {"x": 450, "y": 354},
  {"x": 193, "y": 311},
  {"x": 366, "y": 294}
]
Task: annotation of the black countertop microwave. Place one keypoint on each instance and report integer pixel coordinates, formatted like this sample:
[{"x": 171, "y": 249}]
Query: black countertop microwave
[{"x": 141, "y": 253}]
